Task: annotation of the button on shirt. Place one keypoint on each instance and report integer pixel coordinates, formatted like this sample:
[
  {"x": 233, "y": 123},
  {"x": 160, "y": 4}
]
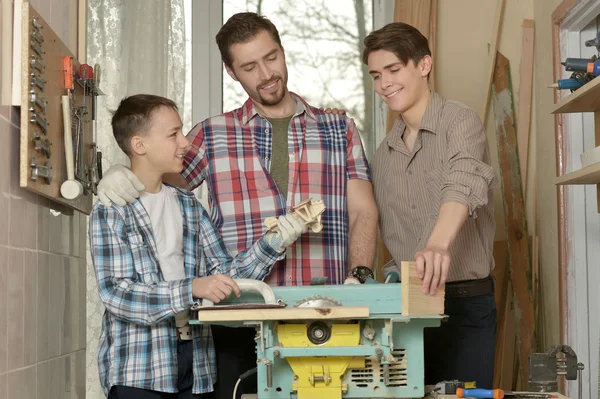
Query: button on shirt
[
  {"x": 232, "y": 153},
  {"x": 449, "y": 162}
]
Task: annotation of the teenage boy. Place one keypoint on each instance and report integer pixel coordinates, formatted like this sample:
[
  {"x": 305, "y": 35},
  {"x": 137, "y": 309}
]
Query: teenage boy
[
  {"x": 433, "y": 186},
  {"x": 155, "y": 257}
]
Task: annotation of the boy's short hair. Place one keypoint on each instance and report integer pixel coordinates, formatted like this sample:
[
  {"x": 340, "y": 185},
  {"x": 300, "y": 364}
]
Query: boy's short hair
[
  {"x": 241, "y": 28},
  {"x": 404, "y": 40},
  {"x": 133, "y": 116}
]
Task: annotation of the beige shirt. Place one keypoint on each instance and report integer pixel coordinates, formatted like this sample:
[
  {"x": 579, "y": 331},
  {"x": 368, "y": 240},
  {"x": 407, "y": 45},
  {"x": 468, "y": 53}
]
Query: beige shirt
[{"x": 450, "y": 162}]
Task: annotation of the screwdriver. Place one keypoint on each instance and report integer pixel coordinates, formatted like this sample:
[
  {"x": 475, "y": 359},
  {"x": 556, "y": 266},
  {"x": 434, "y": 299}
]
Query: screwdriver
[{"x": 480, "y": 393}]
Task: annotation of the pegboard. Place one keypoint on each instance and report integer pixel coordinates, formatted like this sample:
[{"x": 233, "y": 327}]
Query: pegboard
[{"x": 43, "y": 166}]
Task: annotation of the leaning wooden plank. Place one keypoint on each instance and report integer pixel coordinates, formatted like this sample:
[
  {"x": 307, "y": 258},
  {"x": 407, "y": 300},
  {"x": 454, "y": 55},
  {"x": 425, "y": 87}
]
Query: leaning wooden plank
[
  {"x": 336, "y": 312},
  {"x": 525, "y": 93},
  {"x": 500, "y": 274},
  {"x": 414, "y": 302},
  {"x": 514, "y": 211},
  {"x": 489, "y": 70}
]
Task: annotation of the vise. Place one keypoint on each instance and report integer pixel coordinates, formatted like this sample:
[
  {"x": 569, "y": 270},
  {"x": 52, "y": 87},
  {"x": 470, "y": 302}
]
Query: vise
[{"x": 325, "y": 341}]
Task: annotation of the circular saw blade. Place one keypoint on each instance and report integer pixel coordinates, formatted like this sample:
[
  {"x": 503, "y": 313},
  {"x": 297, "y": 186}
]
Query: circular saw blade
[{"x": 317, "y": 302}]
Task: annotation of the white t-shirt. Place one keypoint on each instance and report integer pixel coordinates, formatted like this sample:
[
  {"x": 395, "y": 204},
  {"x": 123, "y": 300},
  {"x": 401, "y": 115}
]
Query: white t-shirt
[{"x": 167, "y": 225}]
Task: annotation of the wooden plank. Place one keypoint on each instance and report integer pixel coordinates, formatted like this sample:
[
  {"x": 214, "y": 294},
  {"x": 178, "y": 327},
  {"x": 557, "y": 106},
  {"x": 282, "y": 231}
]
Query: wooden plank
[
  {"x": 491, "y": 61},
  {"x": 514, "y": 210},
  {"x": 414, "y": 302},
  {"x": 6, "y": 24},
  {"x": 587, "y": 175},
  {"x": 525, "y": 94},
  {"x": 336, "y": 312},
  {"x": 82, "y": 17},
  {"x": 53, "y": 51},
  {"x": 500, "y": 274},
  {"x": 422, "y": 14}
]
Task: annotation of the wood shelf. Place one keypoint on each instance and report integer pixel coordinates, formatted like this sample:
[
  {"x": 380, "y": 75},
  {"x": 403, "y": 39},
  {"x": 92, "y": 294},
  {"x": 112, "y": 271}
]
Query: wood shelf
[
  {"x": 586, "y": 99},
  {"x": 587, "y": 175}
]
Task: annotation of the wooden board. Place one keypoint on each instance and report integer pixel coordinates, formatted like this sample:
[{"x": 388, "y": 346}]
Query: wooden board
[
  {"x": 53, "y": 51},
  {"x": 514, "y": 212},
  {"x": 336, "y": 312},
  {"x": 525, "y": 94},
  {"x": 414, "y": 302},
  {"x": 490, "y": 63}
]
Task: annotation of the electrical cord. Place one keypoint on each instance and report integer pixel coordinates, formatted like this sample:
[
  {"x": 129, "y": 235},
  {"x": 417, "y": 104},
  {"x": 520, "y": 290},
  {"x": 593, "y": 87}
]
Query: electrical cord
[{"x": 243, "y": 377}]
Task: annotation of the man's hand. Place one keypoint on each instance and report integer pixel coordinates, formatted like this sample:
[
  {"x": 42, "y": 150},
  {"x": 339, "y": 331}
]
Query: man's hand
[
  {"x": 215, "y": 288},
  {"x": 290, "y": 228},
  {"x": 120, "y": 185},
  {"x": 432, "y": 266},
  {"x": 335, "y": 111}
]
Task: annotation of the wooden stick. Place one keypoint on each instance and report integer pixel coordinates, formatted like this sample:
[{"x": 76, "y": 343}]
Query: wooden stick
[
  {"x": 491, "y": 62},
  {"x": 525, "y": 93}
]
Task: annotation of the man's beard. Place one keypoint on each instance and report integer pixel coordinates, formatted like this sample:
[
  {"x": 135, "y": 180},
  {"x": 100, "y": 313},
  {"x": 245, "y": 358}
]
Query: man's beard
[{"x": 272, "y": 98}]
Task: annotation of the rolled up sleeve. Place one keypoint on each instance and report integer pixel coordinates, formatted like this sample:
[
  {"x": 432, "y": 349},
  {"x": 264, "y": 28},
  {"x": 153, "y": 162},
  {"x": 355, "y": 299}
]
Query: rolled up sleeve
[{"x": 470, "y": 175}]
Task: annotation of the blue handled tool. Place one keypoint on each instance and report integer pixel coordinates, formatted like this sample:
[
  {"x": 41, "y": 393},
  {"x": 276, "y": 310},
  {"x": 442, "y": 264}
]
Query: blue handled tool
[{"x": 480, "y": 393}]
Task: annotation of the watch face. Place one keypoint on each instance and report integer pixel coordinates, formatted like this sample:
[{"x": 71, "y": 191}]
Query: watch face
[{"x": 362, "y": 273}]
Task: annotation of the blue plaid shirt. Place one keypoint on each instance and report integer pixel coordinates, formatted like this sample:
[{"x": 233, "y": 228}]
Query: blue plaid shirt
[{"x": 138, "y": 343}]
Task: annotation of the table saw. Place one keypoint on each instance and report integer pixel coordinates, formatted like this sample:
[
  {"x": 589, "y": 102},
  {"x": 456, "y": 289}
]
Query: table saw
[{"x": 324, "y": 341}]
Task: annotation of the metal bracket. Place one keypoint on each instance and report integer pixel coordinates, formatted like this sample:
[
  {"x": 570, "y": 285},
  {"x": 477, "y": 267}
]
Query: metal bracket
[
  {"x": 42, "y": 122},
  {"x": 41, "y": 144},
  {"x": 36, "y": 35},
  {"x": 36, "y": 64},
  {"x": 36, "y": 23},
  {"x": 40, "y": 102},
  {"x": 37, "y": 81},
  {"x": 44, "y": 171},
  {"x": 37, "y": 49}
]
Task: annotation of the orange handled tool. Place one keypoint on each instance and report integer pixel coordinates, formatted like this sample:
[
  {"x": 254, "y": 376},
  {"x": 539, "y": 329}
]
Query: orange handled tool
[
  {"x": 480, "y": 393},
  {"x": 68, "y": 72}
]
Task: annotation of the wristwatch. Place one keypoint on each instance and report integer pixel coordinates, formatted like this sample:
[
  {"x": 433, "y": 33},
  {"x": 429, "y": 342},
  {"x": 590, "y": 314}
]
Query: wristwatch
[{"x": 361, "y": 273}]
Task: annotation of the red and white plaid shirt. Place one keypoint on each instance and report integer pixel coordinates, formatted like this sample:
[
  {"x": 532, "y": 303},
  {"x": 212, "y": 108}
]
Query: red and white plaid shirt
[{"x": 232, "y": 153}]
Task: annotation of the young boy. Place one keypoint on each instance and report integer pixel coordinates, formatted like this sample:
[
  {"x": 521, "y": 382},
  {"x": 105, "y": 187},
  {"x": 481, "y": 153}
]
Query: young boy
[{"x": 148, "y": 257}]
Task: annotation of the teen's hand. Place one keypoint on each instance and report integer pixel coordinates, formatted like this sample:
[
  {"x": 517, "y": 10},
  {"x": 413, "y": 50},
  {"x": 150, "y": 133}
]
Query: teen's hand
[
  {"x": 215, "y": 288},
  {"x": 290, "y": 228},
  {"x": 120, "y": 185},
  {"x": 432, "y": 266}
]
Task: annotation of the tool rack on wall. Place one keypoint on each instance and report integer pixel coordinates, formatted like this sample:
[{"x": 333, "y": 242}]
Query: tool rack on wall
[{"x": 54, "y": 84}]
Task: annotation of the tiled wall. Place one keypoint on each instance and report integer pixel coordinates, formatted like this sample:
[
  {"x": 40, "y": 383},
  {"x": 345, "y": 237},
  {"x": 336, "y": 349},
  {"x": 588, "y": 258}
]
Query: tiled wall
[{"x": 42, "y": 270}]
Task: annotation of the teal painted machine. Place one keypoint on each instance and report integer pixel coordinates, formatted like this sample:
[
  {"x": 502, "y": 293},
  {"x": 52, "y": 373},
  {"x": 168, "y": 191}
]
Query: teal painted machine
[{"x": 320, "y": 341}]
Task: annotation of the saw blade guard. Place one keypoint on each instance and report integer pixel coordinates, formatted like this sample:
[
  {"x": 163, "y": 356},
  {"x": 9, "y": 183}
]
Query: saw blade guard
[{"x": 250, "y": 285}]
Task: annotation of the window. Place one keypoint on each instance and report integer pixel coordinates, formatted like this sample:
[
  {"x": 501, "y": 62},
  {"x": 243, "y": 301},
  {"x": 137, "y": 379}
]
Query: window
[{"x": 323, "y": 47}]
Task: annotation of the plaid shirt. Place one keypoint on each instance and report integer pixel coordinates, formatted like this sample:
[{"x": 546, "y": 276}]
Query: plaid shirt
[
  {"x": 232, "y": 153},
  {"x": 138, "y": 343}
]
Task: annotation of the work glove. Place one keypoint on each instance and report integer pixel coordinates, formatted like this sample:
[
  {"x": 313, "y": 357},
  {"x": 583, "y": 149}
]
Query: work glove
[
  {"x": 290, "y": 228},
  {"x": 120, "y": 186}
]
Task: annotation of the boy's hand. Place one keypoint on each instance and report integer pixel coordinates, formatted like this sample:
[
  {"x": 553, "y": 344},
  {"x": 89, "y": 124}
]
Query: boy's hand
[
  {"x": 290, "y": 227},
  {"x": 215, "y": 288},
  {"x": 120, "y": 185}
]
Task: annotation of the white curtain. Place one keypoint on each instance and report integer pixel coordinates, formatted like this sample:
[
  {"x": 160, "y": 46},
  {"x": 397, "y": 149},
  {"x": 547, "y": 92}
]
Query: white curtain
[{"x": 140, "y": 47}]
